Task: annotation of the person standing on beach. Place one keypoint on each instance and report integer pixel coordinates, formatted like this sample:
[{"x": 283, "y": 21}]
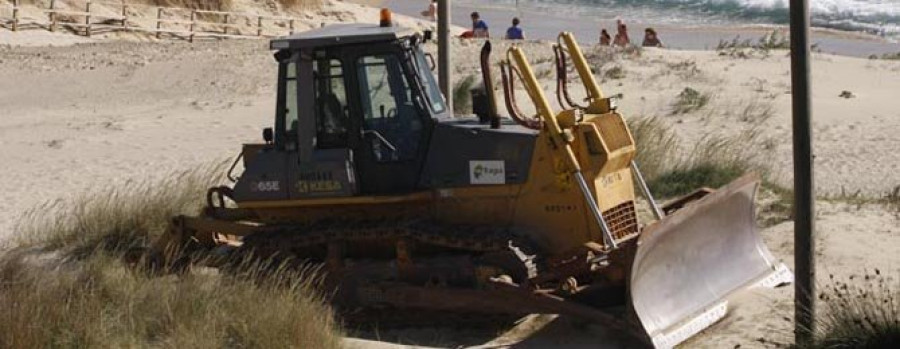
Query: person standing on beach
[
  {"x": 621, "y": 35},
  {"x": 651, "y": 39},
  {"x": 514, "y": 32},
  {"x": 605, "y": 39},
  {"x": 431, "y": 12},
  {"x": 479, "y": 27}
]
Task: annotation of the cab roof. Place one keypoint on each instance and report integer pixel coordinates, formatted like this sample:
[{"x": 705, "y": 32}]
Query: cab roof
[{"x": 339, "y": 34}]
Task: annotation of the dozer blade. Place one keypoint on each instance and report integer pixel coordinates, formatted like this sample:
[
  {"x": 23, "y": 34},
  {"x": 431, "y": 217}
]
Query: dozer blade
[{"x": 689, "y": 263}]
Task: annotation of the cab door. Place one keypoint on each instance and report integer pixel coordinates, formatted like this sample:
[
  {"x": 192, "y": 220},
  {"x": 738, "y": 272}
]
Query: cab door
[
  {"x": 393, "y": 127},
  {"x": 326, "y": 169}
]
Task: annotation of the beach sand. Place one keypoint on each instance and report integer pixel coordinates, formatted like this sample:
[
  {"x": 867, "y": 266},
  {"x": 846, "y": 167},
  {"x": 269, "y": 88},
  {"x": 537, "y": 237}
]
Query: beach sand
[{"x": 79, "y": 117}]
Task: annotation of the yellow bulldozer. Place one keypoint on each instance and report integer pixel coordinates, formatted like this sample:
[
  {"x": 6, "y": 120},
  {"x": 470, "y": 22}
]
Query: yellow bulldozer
[{"x": 410, "y": 208}]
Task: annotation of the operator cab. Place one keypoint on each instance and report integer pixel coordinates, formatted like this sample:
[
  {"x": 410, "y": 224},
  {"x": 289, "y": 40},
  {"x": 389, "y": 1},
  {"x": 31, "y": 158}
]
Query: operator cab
[{"x": 356, "y": 106}]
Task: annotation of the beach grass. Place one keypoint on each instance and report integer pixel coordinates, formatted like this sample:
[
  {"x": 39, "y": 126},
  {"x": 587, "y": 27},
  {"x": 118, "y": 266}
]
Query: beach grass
[
  {"x": 227, "y": 5},
  {"x": 712, "y": 162},
  {"x": 746, "y": 48},
  {"x": 862, "y": 311},
  {"x": 117, "y": 218},
  {"x": 656, "y": 144},
  {"x": 689, "y": 100},
  {"x": 100, "y": 302},
  {"x": 462, "y": 95},
  {"x": 67, "y": 282}
]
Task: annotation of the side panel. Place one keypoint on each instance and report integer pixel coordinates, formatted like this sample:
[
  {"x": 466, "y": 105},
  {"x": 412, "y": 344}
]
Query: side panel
[
  {"x": 330, "y": 174},
  {"x": 465, "y": 155},
  {"x": 264, "y": 177},
  {"x": 550, "y": 208},
  {"x": 477, "y": 205}
]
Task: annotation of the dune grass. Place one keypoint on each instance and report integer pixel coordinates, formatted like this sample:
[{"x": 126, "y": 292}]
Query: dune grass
[
  {"x": 101, "y": 303},
  {"x": 229, "y": 5},
  {"x": 656, "y": 145},
  {"x": 462, "y": 95},
  {"x": 66, "y": 284},
  {"x": 746, "y": 48},
  {"x": 712, "y": 162},
  {"x": 117, "y": 218},
  {"x": 689, "y": 100},
  {"x": 860, "y": 312}
]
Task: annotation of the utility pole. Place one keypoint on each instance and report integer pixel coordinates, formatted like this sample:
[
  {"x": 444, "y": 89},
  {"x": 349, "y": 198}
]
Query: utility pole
[
  {"x": 804, "y": 194},
  {"x": 444, "y": 61}
]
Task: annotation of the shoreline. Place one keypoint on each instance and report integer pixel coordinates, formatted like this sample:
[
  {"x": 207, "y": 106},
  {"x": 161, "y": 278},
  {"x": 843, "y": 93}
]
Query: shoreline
[{"x": 676, "y": 37}]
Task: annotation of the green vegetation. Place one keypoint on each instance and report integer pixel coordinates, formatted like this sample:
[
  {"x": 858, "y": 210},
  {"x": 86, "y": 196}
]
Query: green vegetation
[
  {"x": 777, "y": 205},
  {"x": 887, "y": 56},
  {"x": 763, "y": 46},
  {"x": 656, "y": 145},
  {"x": 713, "y": 162},
  {"x": 681, "y": 181},
  {"x": 890, "y": 199},
  {"x": 689, "y": 100},
  {"x": 462, "y": 97},
  {"x": 67, "y": 283},
  {"x": 117, "y": 219}
]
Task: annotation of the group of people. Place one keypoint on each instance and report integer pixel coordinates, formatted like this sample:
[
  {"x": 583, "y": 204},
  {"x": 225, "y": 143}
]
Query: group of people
[
  {"x": 480, "y": 30},
  {"x": 622, "y": 39},
  {"x": 479, "y": 26}
]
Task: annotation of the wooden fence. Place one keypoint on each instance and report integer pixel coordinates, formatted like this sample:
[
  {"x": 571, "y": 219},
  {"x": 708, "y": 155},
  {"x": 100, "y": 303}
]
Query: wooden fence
[{"x": 120, "y": 16}]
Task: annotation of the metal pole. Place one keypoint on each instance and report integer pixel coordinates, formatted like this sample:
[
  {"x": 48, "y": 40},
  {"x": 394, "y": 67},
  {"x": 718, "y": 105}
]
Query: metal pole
[
  {"x": 804, "y": 213},
  {"x": 444, "y": 62}
]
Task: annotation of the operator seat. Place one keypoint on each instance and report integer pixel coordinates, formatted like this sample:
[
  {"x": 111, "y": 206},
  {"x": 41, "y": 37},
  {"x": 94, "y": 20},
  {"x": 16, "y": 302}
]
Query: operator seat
[{"x": 331, "y": 119}]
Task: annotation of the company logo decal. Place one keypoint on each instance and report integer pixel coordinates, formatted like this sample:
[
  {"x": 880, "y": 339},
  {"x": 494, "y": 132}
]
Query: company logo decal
[{"x": 487, "y": 172}]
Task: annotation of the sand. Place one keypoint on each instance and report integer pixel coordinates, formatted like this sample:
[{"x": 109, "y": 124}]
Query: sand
[{"x": 78, "y": 116}]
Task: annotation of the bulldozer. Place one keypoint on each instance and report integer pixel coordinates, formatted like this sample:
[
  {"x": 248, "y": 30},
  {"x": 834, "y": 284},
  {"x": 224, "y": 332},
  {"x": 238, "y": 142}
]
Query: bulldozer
[{"x": 407, "y": 207}]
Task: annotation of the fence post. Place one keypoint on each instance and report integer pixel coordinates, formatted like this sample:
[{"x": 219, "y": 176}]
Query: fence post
[
  {"x": 124, "y": 14},
  {"x": 292, "y": 26},
  {"x": 87, "y": 18},
  {"x": 193, "y": 18},
  {"x": 159, "y": 12},
  {"x": 225, "y": 30},
  {"x": 15, "y": 24},
  {"x": 53, "y": 15},
  {"x": 259, "y": 26}
]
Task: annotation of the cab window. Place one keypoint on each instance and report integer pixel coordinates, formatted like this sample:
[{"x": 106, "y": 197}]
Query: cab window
[
  {"x": 289, "y": 101},
  {"x": 435, "y": 98},
  {"x": 391, "y": 122},
  {"x": 331, "y": 104}
]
